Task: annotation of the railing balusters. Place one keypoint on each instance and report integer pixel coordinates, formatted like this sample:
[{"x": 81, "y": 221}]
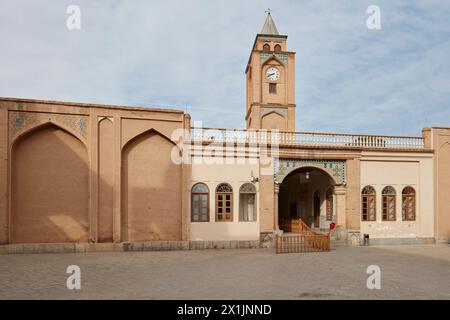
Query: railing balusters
[{"x": 209, "y": 135}]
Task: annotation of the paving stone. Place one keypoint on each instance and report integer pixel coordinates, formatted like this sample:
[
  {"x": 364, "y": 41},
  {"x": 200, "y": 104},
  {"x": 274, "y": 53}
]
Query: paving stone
[{"x": 338, "y": 274}]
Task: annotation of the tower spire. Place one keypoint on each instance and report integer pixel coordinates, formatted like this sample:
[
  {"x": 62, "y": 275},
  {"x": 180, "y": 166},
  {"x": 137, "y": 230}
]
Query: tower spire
[{"x": 269, "y": 25}]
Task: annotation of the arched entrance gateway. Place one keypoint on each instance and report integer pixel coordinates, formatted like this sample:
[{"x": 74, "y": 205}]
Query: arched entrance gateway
[
  {"x": 307, "y": 193},
  {"x": 311, "y": 190}
]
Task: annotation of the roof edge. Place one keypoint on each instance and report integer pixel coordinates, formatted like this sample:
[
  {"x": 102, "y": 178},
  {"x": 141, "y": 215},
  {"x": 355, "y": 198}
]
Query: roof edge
[{"x": 88, "y": 105}]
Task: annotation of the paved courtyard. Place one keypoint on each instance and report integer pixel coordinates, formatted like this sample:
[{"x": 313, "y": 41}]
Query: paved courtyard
[{"x": 410, "y": 272}]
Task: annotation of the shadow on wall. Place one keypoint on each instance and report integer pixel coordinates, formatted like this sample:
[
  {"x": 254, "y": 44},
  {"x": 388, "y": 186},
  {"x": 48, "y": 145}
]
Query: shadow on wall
[
  {"x": 50, "y": 189},
  {"x": 151, "y": 189},
  {"x": 49, "y": 183}
]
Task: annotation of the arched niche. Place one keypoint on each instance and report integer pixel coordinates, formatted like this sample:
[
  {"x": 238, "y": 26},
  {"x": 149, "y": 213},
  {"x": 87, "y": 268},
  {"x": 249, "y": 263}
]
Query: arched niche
[
  {"x": 151, "y": 189},
  {"x": 49, "y": 187}
]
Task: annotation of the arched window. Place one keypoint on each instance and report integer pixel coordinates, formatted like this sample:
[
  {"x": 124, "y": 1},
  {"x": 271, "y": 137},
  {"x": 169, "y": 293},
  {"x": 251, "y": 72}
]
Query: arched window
[
  {"x": 247, "y": 202},
  {"x": 224, "y": 202},
  {"x": 266, "y": 47},
  {"x": 389, "y": 207},
  {"x": 200, "y": 203},
  {"x": 368, "y": 202},
  {"x": 409, "y": 204},
  {"x": 277, "y": 48},
  {"x": 329, "y": 204}
]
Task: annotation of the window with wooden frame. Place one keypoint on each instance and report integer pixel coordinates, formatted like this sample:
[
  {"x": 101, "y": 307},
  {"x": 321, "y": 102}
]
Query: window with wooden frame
[
  {"x": 409, "y": 204},
  {"x": 200, "y": 203},
  {"x": 266, "y": 47},
  {"x": 329, "y": 204},
  {"x": 247, "y": 202},
  {"x": 224, "y": 202},
  {"x": 368, "y": 204},
  {"x": 389, "y": 206},
  {"x": 272, "y": 88},
  {"x": 277, "y": 48}
]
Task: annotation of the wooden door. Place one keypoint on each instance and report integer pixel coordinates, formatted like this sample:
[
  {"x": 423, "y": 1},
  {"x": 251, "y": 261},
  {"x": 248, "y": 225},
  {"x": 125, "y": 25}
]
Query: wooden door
[
  {"x": 316, "y": 209},
  {"x": 303, "y": 214}
]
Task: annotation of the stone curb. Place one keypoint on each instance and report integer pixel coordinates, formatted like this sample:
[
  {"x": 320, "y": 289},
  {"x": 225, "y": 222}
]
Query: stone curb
[{"x": 125, "y": 246}]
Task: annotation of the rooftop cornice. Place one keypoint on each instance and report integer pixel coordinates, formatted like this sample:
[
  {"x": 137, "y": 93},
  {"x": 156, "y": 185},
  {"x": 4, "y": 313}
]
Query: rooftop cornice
[{"x": 88, "y": 105}]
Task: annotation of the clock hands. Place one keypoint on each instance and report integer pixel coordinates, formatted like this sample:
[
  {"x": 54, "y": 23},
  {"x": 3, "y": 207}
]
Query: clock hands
[{"x": 273, "y": 73}]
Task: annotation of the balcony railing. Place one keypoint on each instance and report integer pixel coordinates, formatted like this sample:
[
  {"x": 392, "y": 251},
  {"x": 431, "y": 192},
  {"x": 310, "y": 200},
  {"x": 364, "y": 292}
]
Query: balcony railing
[{"x": 310, "y": 139}]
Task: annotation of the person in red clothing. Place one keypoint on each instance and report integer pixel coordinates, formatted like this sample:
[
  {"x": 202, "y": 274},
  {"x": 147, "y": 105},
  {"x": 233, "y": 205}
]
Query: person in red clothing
[{"x": 332, "y": 226}]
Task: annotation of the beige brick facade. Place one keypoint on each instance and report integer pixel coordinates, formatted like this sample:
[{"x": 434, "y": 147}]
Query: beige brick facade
[
  {"x": 86, "y": 174},
  {"x": 80, "y": 173}
]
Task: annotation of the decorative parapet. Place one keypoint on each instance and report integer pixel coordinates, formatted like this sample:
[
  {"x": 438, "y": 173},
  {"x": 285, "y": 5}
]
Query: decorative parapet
[{"x": 308, "y": 139}]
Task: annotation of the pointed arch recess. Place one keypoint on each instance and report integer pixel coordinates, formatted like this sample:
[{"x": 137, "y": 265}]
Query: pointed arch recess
[
  {"x": 273, "y": 111},
  {"x": 151, "y": 189},
  {"x": 274, "y": 118},
  {"x": 272, "y": 58},
  {"x": 39, "y": 126},
  {"x": 148, "y": 132},
  {"x": 44, "y": 207}
]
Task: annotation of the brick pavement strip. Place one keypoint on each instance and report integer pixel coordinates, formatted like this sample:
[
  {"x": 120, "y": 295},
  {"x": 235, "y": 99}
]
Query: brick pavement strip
[{"x": 407, "y": 272}]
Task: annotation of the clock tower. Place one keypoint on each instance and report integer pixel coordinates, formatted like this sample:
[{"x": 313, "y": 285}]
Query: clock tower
[{"x": 270, "y": 75}]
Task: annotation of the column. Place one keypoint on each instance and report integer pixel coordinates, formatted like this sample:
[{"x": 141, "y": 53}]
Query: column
[
  {"x": 117, "y": 179},
  {"x": 93, "y": 176},
  {"x": 276, "y": 226},
  {"x": 340, "y": 192},
  {"x": 185, "y": 202},
  {"x": 3, "y": 175}
]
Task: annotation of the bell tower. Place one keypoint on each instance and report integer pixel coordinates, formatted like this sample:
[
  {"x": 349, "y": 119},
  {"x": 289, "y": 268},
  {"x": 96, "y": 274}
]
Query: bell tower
[{"x": 270, "y": 78}]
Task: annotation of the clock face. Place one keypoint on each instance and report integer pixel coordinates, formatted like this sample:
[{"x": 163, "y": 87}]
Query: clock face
[{"x": 272, "y": 74}]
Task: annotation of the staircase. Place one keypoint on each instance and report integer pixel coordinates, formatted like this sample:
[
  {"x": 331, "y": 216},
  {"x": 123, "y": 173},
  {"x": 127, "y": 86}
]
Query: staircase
[{"x": 300, "y": 238}]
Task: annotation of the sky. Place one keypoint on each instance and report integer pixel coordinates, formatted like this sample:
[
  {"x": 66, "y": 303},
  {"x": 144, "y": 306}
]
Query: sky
[{"x": 191, "y": 55}]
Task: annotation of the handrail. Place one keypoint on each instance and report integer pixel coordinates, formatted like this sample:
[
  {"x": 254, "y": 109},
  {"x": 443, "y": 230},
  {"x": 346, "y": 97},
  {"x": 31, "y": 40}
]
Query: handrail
[
  {"x": 305, "y": 132},
  {"x": 302, "y": 239},
  {"x": 297, "y": 226}
]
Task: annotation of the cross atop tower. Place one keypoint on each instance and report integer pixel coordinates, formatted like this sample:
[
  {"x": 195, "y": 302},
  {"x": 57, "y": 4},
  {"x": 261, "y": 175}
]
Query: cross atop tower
[{"x": 269, "y": 25}]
